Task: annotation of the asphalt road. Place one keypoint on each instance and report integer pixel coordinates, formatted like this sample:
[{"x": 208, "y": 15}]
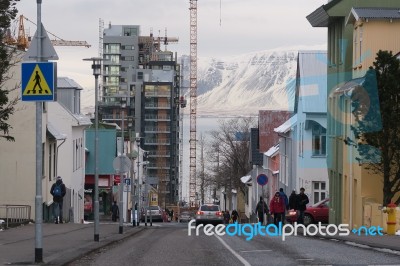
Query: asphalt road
[{"x": 169, "y": 244}]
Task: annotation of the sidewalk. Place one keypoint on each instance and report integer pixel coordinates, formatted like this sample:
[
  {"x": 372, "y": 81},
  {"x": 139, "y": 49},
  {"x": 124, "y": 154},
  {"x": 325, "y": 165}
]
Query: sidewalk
[{"x": 61, "y": 243}]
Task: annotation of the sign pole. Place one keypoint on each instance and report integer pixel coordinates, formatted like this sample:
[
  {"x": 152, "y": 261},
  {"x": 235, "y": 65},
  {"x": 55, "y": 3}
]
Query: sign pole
[
  {"x": 39, "y": 197},
  {"x": 262, "y": 180}
]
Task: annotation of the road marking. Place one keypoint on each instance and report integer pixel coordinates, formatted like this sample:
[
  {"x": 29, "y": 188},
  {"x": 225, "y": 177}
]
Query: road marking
[
  {"x": 242, "y": 260},
  {"x": 257, "y": 250},
  {"x": 304, "y": 259}
]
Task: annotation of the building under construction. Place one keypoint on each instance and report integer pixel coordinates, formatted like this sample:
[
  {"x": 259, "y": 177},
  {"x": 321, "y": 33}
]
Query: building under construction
[{"x": 141, "y": 86}]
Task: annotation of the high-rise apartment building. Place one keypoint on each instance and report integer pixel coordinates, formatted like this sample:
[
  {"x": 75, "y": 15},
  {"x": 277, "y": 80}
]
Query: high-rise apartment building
[{"x": 141, "y": 84}]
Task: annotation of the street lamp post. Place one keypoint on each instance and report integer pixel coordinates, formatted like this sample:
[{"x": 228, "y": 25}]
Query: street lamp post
[
  {"x": 121, "y": 184},
  {"x": 138, "y": 182},
  {"x": 96, "y": 66}
]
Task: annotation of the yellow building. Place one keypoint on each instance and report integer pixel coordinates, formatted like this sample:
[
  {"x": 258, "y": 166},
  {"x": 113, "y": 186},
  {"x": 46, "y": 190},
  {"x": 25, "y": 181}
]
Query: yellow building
[{"x": 374, "y": 29}]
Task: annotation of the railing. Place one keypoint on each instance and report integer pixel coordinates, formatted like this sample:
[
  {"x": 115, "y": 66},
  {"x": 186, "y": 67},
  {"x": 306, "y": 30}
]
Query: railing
[{"x": 15, "y": 214}]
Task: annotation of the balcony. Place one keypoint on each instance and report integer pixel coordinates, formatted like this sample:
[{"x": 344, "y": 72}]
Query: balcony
[
  {"x": 157, "y": 142},
  {"x": 165, "y": 129},
  {"x": 159, "y": 154},
  {"x": 157, "y": 94},
  {"x": 157, "y": 106},
  {"x": 157, "y": 117},
  {"x": 158, "y": 166}
]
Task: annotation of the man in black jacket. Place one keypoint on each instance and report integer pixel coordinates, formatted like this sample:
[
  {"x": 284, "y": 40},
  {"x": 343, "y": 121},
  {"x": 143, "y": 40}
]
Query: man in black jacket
[
  {"x": 302, "y": 201},
  {"x": 261, "y": 208},
  {"x": 58, "y": 191}
]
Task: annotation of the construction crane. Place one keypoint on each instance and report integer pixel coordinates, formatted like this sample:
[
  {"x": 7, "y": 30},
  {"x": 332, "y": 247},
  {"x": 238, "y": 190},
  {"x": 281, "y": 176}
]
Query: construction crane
[
  {"x": 193, "y": 101},
  {"x": 23, "y": 40}
]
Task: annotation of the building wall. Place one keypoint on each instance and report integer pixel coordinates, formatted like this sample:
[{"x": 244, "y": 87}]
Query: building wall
[
  {"x": 267, "y": 121},
  {"x": 70, "y": 150},
  {"x": 376, "y": 35},
  {"x": 17, "y": 159},
  {"x": 360, "y": 186}
]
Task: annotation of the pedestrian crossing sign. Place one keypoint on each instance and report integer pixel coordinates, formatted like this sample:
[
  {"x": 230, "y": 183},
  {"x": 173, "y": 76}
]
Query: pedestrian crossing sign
[{"x": 38, "y": 81}]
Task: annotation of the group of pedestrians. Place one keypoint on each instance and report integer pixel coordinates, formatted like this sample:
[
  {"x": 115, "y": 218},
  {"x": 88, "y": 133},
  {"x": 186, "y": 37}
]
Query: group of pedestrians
[
  {"x": 231, "y": 217},
  {"x": 279, "y": 204}
]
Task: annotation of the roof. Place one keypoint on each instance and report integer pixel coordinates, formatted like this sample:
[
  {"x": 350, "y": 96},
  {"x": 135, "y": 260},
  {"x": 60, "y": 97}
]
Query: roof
[
  {"x": 372, "y": 13},
  {"x": 320, "y": 17},
  {"x": 54, "y": 132},
  {"x": 350, "y": 85},
  {"x": 272, "y": 150},
  {"x": 286, "y": 127},
  {"x": 67, "y": 83},
  {"x": 83, "y": 120},
  {"x": 312, "y": 81},
  {"x": 245, "y": 179}
]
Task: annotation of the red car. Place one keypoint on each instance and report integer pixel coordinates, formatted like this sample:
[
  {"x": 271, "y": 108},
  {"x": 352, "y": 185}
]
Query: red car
[{"x": 319, "y": 212}]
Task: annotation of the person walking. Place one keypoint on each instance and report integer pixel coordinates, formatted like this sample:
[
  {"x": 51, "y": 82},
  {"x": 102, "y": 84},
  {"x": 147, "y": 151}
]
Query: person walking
[
  {"x": 114, "y": 212},
  {"x": 261, "y": 209},
  {"x": 301, "y": 202},
  {"x": 227, "y": 217},
  {"x": 292, "y": 200},
  {"x": 277, "y": 208},
  {"x": 58, "y": 191},
  {"x": 235, "y": 216},
  {"x": 286, "y": 203}
]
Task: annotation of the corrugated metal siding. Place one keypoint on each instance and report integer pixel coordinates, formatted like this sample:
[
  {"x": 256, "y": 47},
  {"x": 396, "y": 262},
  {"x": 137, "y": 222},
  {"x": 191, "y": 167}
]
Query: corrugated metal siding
[{"x": 313, "y": 81}]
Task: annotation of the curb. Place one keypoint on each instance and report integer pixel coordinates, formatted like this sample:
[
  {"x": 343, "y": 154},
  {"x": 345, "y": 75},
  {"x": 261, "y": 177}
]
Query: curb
[
  {"x": 105, "y": 243},
  {"x": 361, "y": 243}
]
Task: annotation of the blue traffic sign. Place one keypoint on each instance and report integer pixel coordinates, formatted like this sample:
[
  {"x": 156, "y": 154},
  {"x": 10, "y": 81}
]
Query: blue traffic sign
[
  {"x": 127, "y": 181},
  {"x": 38, "y": 81},
  {"x": 262, "y": 179}
]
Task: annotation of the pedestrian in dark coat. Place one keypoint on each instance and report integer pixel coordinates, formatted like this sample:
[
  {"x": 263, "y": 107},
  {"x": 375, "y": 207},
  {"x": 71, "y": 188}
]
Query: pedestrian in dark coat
[
  {"x": 58, "y": 191},
  {"x": 261, "y": 209},
  {"x": 114, "y": 212},
  {"x": 292, "y": 200},
  {"x": 302, "y": 201},
  {"x": 235, "y": 216}
]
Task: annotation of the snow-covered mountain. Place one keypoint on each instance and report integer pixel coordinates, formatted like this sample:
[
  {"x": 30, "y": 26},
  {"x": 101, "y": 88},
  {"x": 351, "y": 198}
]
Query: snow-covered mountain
[{"x": 244, "y": 84}]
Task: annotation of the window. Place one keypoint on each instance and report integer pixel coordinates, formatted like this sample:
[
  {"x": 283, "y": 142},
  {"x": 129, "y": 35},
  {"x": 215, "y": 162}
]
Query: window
[
  {"x": 54, "y": 160},
  {"x": 319, "y": 191},
  {"x": 50, "y": 161},
  {"x": 318, "y": 140},
  {"x": 43, "y": 161},
  {"x": 111, "y": 48},
  {"x": 128, "y": 58},
  {"x": 361, "y": 39},
  {"x": 140, "y": 75},
  {"x": 130, "y": 31},
  {"x": 112, "y": 58},
  {"x": 128, "y": 47}
]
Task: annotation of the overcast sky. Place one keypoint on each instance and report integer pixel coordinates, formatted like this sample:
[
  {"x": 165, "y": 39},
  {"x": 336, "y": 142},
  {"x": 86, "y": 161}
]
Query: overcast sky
[{"x": 225, "y": 28}]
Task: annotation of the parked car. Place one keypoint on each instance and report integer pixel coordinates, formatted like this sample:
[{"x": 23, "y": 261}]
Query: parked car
[
  {"x": 209, "y": 213},
  {"x": 318, "y": 212},
  {"x": 185, "y": 216},
  {"x": 155, "y": 211}
]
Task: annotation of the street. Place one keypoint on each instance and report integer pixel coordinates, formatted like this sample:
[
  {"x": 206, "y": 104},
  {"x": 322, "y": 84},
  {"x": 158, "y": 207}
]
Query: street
[{"x": 169, "y": 244}]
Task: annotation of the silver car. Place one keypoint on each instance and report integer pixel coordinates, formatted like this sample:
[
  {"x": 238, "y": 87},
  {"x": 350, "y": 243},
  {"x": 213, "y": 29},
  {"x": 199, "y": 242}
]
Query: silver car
[
  {"x": 156, "y": 213},
  {"x": 209, "y": 213},
  {"x": 185, "y": 216}
]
